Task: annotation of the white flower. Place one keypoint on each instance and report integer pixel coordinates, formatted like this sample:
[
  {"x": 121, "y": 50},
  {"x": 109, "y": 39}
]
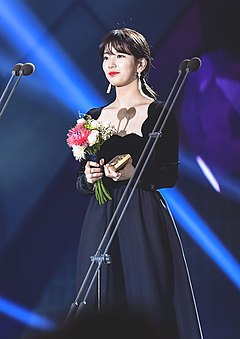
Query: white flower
[
  {"x": 106, "y": 124},
  {"x": 81, "y": 121},
  {"x": 93, "y": 137},
  {"x": 78, "y": 152},
  {"x": 95, "y": 124}
]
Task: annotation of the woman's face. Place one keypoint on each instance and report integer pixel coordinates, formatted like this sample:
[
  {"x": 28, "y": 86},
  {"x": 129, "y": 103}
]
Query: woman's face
[{"x": 120, "y": 69}]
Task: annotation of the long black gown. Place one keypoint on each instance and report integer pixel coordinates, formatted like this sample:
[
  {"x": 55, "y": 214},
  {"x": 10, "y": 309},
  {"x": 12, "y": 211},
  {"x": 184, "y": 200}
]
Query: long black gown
[{"x": 148, "y": 273}]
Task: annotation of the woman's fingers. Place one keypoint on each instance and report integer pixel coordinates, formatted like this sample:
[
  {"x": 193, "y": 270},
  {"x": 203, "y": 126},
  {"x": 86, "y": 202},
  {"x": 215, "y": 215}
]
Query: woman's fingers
[
  {"x": 111, "y": 173},
  {"x": 116, "y": 178},
  {"x": 93, "y": 171},
  {"x": 101, "y": 162},
  {"x": 93, "y": 177},
  {"x": 92, "y": 164}
]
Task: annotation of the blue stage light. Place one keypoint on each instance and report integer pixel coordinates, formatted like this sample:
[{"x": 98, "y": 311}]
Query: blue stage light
[
  {"x": 193, "y": 224},
  {"x": 58, "y": 73},
  {"x": 25, "y": 316},
  {"x": 231, "y": 188}
]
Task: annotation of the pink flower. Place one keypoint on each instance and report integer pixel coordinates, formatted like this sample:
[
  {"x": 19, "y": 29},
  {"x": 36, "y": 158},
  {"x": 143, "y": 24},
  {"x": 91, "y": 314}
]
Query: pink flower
[{"x": 78, "y": 136}]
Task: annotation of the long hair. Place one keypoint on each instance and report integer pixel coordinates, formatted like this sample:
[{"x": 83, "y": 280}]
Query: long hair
[{"x": 128, "y": 41}]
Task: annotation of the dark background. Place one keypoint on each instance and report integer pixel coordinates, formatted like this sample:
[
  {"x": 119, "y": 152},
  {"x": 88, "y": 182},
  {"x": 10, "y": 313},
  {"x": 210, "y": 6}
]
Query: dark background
[{"x": 40, "y": 210}]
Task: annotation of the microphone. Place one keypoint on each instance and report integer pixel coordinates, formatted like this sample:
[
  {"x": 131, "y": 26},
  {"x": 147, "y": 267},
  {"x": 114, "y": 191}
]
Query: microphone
[
  {"x": 194, "y": 64},
  {"x": 27, "y": 69},
  {"x": 18, "y": 70},
  {"x": 183, "y": 65}
]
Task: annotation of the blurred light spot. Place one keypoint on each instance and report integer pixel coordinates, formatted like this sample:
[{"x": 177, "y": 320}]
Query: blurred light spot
[{"x": 208, "y": 174}]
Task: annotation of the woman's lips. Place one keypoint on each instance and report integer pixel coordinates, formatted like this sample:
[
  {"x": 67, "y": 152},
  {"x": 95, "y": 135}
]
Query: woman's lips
[{"x": 113, "y": 73}]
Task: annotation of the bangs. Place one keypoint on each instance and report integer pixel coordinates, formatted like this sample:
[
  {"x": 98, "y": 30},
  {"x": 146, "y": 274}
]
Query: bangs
[
  {"x": 120, "y": 42},
  {"x": 115, "y": 45}
]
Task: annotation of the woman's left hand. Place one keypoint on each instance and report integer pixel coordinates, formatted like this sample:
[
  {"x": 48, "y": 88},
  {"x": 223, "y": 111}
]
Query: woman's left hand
[{"x": 123, "y": 174}]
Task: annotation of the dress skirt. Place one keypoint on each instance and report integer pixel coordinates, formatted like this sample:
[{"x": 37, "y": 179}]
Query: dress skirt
[{"x": 148, "y": 274}]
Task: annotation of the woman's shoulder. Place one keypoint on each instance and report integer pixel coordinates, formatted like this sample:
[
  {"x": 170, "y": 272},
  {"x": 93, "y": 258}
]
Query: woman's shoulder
[
  {"x": 159, "y": 107},
  {"x": 95, "y": 112},
  {"x": 158, "y": 110},
  {"x": 156, "y": 105}
]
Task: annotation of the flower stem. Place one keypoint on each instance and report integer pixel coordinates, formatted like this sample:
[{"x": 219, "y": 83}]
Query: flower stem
[{"x": 102, "y": 195}]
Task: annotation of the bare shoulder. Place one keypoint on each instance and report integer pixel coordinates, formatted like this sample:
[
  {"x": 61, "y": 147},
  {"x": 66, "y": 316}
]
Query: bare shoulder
[
  {"x": 107, "y": 112},
  {"x": 109, "y": 108}
]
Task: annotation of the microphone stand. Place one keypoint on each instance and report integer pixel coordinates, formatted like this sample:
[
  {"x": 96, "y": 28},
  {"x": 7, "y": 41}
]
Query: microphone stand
[
  {"x": 19, "y": 69},
  {"x": 7, "y": 86},
  {"x": 12, "y": 91},
  {"x": 15, "y": 71},
  {"x": 101, "y": 257}
]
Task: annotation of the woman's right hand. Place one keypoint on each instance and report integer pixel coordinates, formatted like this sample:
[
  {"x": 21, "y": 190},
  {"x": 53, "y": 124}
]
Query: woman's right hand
[{"x": 93, "y": 171}]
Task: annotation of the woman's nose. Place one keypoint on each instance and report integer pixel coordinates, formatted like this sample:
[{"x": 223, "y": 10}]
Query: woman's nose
[{"x": 112, "y": 63}]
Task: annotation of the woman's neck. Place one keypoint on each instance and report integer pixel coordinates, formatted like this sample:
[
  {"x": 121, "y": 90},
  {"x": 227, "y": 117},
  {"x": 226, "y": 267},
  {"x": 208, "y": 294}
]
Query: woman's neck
[{"x": 129, "y": 96}]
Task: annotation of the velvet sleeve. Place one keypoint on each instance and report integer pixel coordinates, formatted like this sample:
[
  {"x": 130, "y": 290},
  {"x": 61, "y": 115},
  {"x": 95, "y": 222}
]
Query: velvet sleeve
[
  {"x": 82, "y": 185},
  {"x": 162, "y": 169}
]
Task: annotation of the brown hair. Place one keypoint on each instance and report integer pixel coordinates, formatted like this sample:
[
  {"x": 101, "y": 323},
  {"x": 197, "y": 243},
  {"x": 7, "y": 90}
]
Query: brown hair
[{"x": 128, "y": 41}]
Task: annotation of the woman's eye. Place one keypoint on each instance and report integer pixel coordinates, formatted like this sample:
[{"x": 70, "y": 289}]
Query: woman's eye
[
  {"x": 120, "y": 56},
  {"x": 105, "y": 57}
]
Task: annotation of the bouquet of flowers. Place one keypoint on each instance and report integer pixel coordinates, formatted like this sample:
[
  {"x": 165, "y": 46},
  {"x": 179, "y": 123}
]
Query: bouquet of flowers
[{"x": 87, "y": 137}]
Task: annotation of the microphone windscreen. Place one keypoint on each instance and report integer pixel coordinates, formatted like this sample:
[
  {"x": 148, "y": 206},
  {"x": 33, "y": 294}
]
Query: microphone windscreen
[
  {"x": 28, "y": 68},
  {"x": 17, "y": 68},
  {"x": 183, "y": 65},
  {"x": 194, "y": 64}
]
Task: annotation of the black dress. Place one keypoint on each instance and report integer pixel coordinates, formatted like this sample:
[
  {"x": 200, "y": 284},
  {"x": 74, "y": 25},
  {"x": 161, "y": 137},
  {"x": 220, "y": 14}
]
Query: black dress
[{"x": 148, "y": 273}]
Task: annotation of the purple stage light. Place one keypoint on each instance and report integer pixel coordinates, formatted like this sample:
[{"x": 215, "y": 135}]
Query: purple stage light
[{"x": 210, "y": 113}]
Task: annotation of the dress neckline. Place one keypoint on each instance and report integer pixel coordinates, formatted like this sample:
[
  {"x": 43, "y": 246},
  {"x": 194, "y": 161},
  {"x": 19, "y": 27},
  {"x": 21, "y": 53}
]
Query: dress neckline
[{"x": 148, "y": 111}]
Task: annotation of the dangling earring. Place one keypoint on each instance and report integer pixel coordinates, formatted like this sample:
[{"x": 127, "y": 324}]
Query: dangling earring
[
  {"x": 139, "y": 81},
  {"x": 142, "y": 85},
  {"x": 109, "y": 88},
  {"x": 144, "y": 82}
]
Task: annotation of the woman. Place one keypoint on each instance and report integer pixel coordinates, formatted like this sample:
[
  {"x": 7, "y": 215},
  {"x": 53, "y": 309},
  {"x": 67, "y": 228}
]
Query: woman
[{"x": 148, "y": 273}]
